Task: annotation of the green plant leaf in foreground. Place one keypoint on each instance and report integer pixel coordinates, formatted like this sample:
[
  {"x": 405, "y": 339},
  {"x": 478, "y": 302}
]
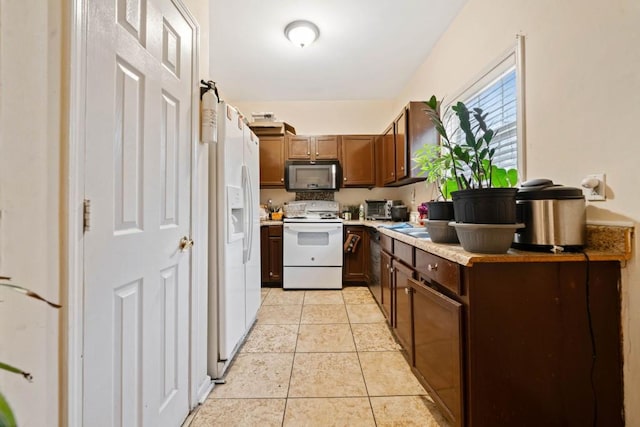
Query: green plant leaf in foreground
[
  {"x": 15, "y": 370},
  {"x": 6, "y": 415},
  {"x": 28, "y": 293}
]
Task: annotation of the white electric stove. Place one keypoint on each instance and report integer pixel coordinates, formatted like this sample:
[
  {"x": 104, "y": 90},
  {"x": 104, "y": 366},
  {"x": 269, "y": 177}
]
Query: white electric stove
[{"x": 312, "y": 248}]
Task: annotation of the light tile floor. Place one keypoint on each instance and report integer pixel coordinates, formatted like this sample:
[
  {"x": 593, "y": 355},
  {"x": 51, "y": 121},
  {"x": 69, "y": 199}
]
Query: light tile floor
[{"x": 319, "y": 358}]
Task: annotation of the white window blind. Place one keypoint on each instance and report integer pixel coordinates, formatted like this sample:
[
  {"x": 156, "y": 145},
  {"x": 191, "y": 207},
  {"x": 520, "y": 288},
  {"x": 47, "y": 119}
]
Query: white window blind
[
  {"x": 498, "y": 101},
  {"x": 498, "y": 92}
]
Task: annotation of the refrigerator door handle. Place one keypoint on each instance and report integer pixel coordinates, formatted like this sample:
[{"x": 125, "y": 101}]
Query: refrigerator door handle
[
  {"x": 248, "y": 211},
  {"x": 245, "y": 193}
]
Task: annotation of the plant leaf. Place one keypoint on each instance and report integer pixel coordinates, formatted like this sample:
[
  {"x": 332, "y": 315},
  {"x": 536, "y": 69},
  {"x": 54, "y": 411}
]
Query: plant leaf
[
  {"x": 512, "y": 176},
  {"x": 432, "y": 102},
  {"x": 28, "y": 293},
  {"x": 6, "y": 414},
  {"x": 448, "y": 187},
  {"x": 27, "y": 376}
]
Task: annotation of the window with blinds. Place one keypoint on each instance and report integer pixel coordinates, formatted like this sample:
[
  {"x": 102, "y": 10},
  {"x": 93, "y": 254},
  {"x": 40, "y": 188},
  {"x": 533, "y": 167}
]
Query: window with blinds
[{"x": 498, "y": 92}]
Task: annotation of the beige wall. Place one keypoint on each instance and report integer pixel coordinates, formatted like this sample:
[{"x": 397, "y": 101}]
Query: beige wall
[
  {"x": 324, "y": 117},
  {"x": 30, "y": 48}
]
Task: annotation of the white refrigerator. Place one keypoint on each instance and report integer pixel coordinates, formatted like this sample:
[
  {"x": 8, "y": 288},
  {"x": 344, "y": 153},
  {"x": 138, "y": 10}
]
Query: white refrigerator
[{"x": 234, "y": 250}]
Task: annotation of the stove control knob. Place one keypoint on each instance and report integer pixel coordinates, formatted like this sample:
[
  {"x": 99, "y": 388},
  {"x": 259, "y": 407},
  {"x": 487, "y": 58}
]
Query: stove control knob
[{"x": 313, "y": 259}]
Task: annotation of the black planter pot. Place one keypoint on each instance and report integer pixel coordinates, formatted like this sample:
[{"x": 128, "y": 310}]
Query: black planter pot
[
  {"x": 485, "y": 205},
  {"x": 440, "y": 210}
]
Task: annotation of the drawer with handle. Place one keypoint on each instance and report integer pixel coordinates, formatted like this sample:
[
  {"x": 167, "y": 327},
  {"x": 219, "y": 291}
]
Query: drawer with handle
[{"x": 439, "y": 270}]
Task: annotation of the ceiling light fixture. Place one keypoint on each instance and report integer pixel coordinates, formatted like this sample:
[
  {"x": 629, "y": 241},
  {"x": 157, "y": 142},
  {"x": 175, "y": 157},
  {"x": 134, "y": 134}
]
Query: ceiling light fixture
[{"x": 301, "y": 33}]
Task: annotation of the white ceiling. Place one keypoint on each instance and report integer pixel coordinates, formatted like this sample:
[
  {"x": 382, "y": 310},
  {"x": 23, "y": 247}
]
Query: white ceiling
[{"x": 367, "y": 49}]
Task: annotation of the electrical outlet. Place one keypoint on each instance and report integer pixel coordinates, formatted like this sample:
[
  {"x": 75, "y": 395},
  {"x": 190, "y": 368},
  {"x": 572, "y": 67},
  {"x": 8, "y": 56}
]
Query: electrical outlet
[{"x": 594, "y": 187}]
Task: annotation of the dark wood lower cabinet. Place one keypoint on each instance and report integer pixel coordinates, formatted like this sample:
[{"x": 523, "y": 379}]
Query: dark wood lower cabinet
[
  {"x": 520, "y": 344},
  {"x": 437, "y": 337},
  {"x": 271, "y": 253},
  {"x": 356, "y": 262},
  {"x": 542, "y": 344},
  {"x": 402, "y": 313},
  {"x": 385, "y": 284}
]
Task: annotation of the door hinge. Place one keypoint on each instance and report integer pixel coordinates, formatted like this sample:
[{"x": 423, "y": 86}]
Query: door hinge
[{"x": 86, "y": 215}]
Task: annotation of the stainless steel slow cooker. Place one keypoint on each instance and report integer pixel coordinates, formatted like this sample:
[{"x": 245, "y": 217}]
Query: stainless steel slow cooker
[{"x": 554, "y": 216}]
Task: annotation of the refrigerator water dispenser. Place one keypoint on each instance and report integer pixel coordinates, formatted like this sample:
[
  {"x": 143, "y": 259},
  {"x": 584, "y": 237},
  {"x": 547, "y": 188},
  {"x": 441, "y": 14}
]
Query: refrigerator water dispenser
[{"x": 235, "y": 206}]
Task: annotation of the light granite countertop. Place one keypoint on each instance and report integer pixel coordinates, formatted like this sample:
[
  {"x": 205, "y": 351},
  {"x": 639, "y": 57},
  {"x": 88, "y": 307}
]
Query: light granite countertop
[{"x": 604, "y": 243}]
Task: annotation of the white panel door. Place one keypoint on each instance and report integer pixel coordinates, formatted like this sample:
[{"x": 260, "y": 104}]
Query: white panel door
[{"x": 138, "y": 179}]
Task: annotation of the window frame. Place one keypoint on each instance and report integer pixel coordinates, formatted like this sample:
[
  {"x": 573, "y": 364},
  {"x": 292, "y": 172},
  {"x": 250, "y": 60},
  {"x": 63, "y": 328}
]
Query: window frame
[{"x": 512, "y": 57}]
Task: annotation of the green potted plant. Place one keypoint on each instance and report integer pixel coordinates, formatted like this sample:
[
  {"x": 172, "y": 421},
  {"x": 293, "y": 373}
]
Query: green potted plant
[
  {"x": 485, "y": 197},
  {"x": 437, "y": 169}
]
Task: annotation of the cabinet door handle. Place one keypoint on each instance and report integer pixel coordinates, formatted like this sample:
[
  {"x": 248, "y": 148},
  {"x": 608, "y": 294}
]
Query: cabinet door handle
[
  {"x": 345, "y": 178},
  {"x": 281, "y": 179},
  {"x": 308, "y": 153},
  {"x": 317, "y": 153},
  {"x": 271, "y": 273},
  {"x": 401, "y": 168},
  {"x": 393, "y": 174},
  {"x": 433, "y": 267},
  {"x": 407, "y": 291}
]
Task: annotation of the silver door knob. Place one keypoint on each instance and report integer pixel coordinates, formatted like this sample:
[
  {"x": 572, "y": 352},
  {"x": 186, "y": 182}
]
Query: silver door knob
[{"x": 185, "y": 243}]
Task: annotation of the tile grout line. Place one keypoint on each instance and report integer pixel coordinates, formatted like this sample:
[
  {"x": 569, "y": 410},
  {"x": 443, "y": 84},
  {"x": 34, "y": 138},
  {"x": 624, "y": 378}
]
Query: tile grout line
[
  {"x": 293, "y": 361},
  {"x": 364, "y": 380}
]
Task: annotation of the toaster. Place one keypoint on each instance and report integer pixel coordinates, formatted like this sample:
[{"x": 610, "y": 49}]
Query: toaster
[{"x": 379, "y": 209}]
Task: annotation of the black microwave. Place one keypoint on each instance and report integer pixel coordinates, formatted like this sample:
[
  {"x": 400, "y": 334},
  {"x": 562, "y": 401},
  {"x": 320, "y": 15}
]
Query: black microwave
[{"x": 321, "y": 175}]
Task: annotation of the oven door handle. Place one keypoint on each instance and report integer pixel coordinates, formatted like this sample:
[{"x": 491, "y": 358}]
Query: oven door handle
[{"x": 313, "y": 229}]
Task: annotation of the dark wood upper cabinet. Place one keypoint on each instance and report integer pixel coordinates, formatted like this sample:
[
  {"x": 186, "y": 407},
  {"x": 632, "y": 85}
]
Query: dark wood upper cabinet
[
  {"x": 402, "y": 160},
  {"x": 388, "y": 161},
  {"x": 272, "y": 161},
  {"x": 298, "y": 147},
  {"x": 358, "y": 161},
  {"x": 323, "y": 147},
  {"x": 411, "y": 130},
  {"x": 326, "y": 148}
]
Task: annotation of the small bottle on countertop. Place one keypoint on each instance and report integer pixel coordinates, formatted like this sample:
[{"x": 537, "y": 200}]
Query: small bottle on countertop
[{"x": 361, "y": 215}]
